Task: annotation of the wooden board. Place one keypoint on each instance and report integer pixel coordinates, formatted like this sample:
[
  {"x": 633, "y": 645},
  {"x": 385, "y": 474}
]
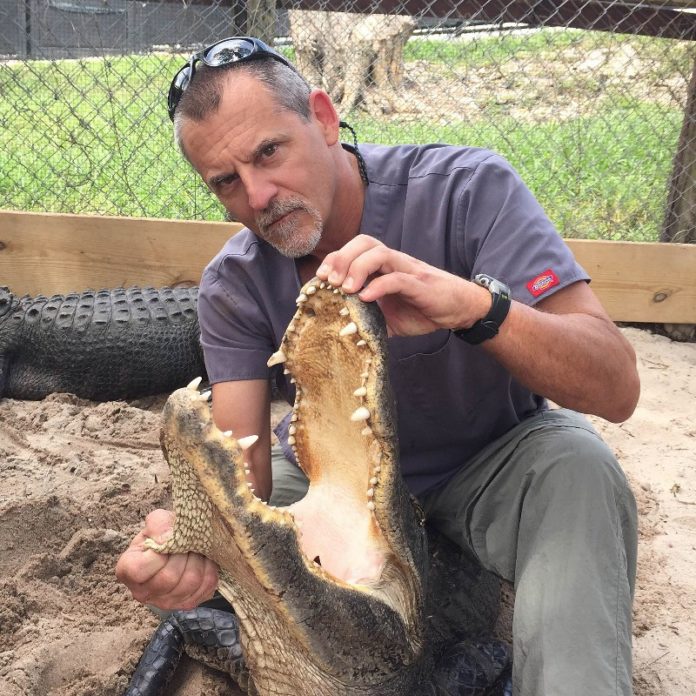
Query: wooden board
[
  {"x": 641, "y": 281},
  {"x": 52, "y": 253},
  {"x": 47, "y": 253}
]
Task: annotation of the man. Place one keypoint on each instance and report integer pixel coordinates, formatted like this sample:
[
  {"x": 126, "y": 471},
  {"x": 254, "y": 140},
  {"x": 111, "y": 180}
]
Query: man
[{"x": 434, "y": 235}]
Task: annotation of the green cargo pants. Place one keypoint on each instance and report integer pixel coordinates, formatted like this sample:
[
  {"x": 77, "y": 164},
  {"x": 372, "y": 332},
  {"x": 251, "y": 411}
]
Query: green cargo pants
[{"x": 548, "y": 508}]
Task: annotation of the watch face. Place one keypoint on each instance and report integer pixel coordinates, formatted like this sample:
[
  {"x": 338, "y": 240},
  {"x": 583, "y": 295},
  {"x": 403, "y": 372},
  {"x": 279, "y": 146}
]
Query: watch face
[
  {"x": 484, "y": 280},
  {"x": 491, "y": 284},
  {"x": 497, "y": 286}
]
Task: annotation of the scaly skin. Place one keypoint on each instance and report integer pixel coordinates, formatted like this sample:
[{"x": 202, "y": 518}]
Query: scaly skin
[
  {"x": 110, "y": 344},
  {"x": 330, "y": 592}
]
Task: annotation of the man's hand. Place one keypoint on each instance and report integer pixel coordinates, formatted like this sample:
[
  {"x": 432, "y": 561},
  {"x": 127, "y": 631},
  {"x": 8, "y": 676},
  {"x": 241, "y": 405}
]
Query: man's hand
[
  {"x": 414, "y": 297},
  {"x": 176, "y": 581}
]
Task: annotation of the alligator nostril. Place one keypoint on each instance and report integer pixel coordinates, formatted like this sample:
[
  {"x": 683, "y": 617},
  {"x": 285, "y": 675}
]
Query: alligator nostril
[{"x": 317, "y": 560}]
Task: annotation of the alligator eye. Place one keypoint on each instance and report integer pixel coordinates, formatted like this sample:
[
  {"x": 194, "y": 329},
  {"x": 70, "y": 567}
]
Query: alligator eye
[{"x": 310, "y": 312}]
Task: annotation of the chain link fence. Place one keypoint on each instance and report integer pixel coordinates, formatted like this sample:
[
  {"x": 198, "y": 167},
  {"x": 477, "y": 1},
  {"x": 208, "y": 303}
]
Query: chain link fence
[{"x": 593, "y": 102}]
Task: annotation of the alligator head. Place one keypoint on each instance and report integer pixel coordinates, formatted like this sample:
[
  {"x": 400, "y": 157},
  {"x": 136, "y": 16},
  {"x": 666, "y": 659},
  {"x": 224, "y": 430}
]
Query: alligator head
[{"x": 329, "y": 591}]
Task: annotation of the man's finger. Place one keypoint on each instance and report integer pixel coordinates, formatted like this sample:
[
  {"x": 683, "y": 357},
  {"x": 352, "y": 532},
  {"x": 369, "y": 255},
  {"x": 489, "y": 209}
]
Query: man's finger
[
  {"x": 334, "y": 268},
  {"x": 158, "y": 525}
]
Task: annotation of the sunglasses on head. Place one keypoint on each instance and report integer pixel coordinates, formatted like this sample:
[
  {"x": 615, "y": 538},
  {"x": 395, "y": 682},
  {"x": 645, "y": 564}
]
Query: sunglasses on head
[{"x": 238, "y": 49}]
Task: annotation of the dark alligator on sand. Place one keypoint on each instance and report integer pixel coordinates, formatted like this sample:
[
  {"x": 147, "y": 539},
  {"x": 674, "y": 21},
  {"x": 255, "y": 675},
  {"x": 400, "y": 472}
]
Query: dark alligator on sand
[
  {"x": 101, "y": 345},
  {"x": 337, "y": 594}
]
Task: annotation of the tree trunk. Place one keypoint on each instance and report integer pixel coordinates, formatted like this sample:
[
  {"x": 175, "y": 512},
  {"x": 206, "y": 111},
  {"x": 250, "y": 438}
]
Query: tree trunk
[
  {"x": 261, "y": 20},
  {"x": 680, "y": 220},
  {"x": 356, "y": 58}
]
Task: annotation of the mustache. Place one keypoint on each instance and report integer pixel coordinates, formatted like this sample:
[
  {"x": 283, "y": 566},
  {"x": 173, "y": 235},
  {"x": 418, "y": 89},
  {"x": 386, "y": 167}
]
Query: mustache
[{"x": 277, "y": 209}]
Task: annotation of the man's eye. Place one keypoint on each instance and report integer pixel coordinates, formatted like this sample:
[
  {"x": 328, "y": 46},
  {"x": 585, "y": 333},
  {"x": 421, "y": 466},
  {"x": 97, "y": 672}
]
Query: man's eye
[
  {"x": 227, "y": 180},
  {"x": 269, "y": 150}
]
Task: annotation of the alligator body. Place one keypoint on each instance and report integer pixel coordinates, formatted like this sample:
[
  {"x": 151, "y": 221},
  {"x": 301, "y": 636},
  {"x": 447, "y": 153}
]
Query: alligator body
[
  {"x": 337, "y": 594},
  {"x": 100, "y": 345}
]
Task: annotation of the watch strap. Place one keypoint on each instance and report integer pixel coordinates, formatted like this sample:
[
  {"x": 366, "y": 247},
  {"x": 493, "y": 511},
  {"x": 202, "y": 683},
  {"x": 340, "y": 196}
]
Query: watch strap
[{"x": 488, "y": 327}]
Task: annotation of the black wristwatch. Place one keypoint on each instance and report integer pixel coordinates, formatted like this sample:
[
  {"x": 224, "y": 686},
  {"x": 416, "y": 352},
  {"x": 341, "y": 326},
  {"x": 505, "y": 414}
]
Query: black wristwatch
[{"x": 489, "y": 326}]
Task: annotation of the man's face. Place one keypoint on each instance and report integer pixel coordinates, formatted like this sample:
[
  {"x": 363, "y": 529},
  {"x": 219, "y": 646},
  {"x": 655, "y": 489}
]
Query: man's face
[{"x": 271, "y": 169}]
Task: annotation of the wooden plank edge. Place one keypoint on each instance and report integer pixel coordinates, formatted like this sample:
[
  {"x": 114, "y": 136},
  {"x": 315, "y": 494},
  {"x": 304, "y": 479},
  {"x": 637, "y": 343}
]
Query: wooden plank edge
[{"x": 636, "y": 281}]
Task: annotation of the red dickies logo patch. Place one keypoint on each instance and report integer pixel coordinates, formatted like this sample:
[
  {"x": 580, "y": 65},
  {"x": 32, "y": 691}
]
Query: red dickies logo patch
[{"x": 543, "y": 282}]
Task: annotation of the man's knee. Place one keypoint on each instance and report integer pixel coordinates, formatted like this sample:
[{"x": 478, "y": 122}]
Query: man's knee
[
  {"x": 578, "y": 459},
  {"x": 581, "y": 484}
]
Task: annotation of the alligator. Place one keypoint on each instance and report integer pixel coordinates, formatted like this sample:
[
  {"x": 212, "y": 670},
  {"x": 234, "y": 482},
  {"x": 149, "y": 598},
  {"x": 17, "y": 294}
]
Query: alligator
[
  {"x": 101, "y": 345},
  {"x": 337, "y": 594}
]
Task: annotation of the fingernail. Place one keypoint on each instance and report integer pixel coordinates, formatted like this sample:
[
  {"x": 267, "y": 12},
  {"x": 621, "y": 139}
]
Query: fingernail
[
  {"x": 333, "y": 278},
  {"x": 348, "y": 283},
  {"x": 323, "y": 269}
]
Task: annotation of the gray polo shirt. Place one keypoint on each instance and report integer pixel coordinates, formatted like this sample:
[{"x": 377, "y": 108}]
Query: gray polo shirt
[{"x": 461, "y": 209}]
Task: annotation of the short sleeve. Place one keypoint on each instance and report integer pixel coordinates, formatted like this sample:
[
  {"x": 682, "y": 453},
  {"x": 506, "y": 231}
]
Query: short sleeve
[
  {"x": 234, "y": 331},
  {"x": 505, "y": 233}
]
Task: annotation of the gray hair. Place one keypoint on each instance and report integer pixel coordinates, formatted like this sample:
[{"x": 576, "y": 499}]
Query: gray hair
[{"x": 204, "y": 94}]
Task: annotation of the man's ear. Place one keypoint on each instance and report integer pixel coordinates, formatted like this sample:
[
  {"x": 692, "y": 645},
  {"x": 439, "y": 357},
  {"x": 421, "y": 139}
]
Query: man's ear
[{"x": 321, "y": 108}]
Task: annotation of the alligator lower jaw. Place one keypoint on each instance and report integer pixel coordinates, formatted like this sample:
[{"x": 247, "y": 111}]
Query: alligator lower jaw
[{"x": 331, "y": 586}]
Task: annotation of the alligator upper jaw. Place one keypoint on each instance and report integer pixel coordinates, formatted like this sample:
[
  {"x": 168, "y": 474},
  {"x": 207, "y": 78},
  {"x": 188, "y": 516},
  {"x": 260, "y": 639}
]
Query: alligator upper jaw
[{"x": 329, "y": 590}]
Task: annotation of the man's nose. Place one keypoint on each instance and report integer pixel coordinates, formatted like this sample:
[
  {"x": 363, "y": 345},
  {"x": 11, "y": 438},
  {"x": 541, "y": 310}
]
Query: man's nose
[{"x": 260, "y": 191}]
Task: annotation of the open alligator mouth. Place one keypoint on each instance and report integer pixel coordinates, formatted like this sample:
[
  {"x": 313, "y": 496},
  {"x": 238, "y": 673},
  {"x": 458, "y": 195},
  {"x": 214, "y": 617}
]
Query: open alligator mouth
[{"x": 329, "y": 591}]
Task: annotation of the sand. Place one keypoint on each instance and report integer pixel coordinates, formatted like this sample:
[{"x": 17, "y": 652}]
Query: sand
[{"x": 76, "y": 478}]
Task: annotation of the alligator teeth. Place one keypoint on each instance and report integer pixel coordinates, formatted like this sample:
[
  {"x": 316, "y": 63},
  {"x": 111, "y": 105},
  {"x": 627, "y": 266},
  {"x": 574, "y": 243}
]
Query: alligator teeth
[
  {"x": 344, "y": 311},
  {"x": 205, "y": 396},
  {"x": 292, "y": 430},
  {"x": 246, "y": 442},
  {"x": 348, "y": 329},
  {"x": 311, "y": 289},
  {"x": 360, "y": 391},
  {"x": 370, "y": 505},
  {"x": 193, "y": 384},
  {"x": 367, "y": 430},
  {"x": 276, "y": 359},
  {"x": 227, "y": 433},
  {"x": 360, "y": 414},
  {"x": 373, "y": 480},
  {"x": 291, "y": 440},
  {"x": 361, "y": 342},
  {"x": 370, "y": 492},
  {"x": 301, "y": 298}
]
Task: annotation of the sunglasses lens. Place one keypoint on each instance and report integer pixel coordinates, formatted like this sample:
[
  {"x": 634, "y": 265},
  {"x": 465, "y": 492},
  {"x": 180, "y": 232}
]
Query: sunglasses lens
[
  {"x": 230, "y": 51},
  {"x": 176, "y": 89},
  {"x": 182, "y": 79}
]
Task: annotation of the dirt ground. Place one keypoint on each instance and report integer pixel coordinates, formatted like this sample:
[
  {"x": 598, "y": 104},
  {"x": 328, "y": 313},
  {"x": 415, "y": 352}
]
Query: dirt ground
[{"x": 76, "y": 477}]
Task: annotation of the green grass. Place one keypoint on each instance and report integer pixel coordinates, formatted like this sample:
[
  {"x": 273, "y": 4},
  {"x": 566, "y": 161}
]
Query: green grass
[
  {"x": 600, "y": 177},
  {"x": 93, "y": 136},
  {"x": 490, "y": 51}
]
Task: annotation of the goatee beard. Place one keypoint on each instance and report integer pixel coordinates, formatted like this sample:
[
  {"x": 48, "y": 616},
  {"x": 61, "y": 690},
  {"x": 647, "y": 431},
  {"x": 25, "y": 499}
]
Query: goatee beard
[{"x": 287, "y": 236}]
